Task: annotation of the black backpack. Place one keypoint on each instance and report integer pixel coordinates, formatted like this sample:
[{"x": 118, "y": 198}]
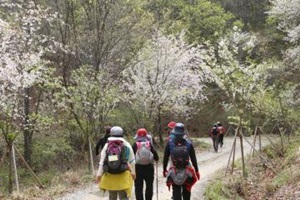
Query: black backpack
[
  {"x": 215, "y": 131},
  {"x": 179, "y": 150},
  {"x": 115, "y": 161}
]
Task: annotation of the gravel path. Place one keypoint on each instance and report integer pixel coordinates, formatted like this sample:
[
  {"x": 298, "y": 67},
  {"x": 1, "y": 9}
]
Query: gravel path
[{"x": 208, "y": 161}]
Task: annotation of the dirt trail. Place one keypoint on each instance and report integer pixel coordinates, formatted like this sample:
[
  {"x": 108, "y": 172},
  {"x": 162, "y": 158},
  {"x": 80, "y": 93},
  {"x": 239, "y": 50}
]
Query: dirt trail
[{"x": 208, "y": 161}]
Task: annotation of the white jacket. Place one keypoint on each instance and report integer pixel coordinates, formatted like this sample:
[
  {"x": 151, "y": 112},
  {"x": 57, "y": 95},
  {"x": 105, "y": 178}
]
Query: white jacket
[{"x": 131, "y": 158}]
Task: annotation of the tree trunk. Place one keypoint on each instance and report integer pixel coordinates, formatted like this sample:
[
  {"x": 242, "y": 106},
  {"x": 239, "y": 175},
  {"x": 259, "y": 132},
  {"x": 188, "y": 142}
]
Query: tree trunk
[{"x": 27, "y": 130}]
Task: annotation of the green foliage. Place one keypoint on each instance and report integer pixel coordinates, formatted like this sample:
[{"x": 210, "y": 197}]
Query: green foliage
[
  {"x": 251, "y": 12},
  {"x": 203, "y": 20}
]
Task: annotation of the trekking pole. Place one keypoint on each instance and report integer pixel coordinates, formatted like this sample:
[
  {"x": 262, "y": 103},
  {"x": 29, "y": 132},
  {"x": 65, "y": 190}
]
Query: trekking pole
[{"x": 156, "y": 180}]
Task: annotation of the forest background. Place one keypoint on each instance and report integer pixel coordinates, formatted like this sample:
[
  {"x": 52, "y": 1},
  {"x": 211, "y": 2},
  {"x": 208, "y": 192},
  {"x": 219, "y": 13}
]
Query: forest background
[{"x": 70, "y": 67}]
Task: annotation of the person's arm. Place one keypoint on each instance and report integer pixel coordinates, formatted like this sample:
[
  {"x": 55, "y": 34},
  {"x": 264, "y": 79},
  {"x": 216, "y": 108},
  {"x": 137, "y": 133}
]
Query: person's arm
[
  {"x": 166, "y": 157},
  {"x": 134, "y": 147},
  {"x": 98, "y": 146},
  {"x": 131, "y": 159},
  {"x": 102, "y": 158},
  {"x": 154, "y": 152},
  {"x": 193, "y": 158}
]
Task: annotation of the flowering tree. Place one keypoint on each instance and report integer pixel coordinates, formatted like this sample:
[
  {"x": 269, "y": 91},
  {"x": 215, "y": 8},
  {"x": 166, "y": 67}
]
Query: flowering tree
[
  {"x": 287, "y": 13},
  {"x": 22, "y": 47},
  {"x": 236, "y": 73},
  {"x": 285, "y": 76},
  {"x": 168, "y": 75}
]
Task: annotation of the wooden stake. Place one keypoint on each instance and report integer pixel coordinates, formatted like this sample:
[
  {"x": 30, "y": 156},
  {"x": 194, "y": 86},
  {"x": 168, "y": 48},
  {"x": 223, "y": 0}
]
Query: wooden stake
[
  {"x": 265, "y": 161},
  {"x": 33, "y": 174},
  {"x": 242, "y": 153},
  {"x": 15, "y": 169},
  {"x": 233, "y": 146},
  {"x": 91, "y": 157}
]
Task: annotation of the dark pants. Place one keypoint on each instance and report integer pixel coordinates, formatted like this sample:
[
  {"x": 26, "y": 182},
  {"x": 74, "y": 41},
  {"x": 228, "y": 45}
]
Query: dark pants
[
  {"x": 221, "y": 139},
  {"x": 113, "y": 195},
  {"x": 180, "y": 191},
  {"x": 215, "y": 142},
  {"x": 144, "y": 173}
]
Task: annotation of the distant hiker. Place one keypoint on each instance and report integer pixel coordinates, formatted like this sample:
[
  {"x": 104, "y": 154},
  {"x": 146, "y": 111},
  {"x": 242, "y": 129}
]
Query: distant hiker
[
  {"x": 221, "y": 133},
  {"x": 145, "y": 155},
  {"x": 102, "y": 141},
  {"x": 183, "y": 171},
  {"x": 214, "y": 134},
  {"x": 169, "y": 129},
  {"x": 117, "y": 166},
  {"x": 148, "y": 137}
]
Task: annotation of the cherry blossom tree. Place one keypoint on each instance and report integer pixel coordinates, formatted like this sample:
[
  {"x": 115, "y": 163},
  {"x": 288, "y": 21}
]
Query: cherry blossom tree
[
  {"x": 168, "y": 75},
  {"x": 285, "y": 73},
  {"x": 287, "y": 13},
  {"x": 23, "y": 45}
]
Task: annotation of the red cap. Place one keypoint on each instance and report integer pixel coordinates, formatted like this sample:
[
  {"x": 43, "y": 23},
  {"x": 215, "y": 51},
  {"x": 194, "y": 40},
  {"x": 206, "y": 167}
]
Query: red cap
[
  {"x": 142, "y": 132},
  {"x": 171, "y": 125}
]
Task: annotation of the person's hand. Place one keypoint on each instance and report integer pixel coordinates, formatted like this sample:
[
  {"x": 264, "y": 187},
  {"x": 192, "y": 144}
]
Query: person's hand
[
  {"x": 98, "y": 179},
  {"x": 198, "y": 175},
  {"x": 133, "y": 176},
  {"x": 165, "y": 173}
]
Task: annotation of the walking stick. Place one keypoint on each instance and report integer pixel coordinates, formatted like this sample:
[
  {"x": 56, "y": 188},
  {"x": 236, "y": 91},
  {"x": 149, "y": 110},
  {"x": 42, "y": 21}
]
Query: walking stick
[{"x": 156, "y": 180}]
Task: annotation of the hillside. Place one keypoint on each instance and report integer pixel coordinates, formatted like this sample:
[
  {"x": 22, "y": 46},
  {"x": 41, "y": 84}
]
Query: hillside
[{"x": 277, "y": 179}]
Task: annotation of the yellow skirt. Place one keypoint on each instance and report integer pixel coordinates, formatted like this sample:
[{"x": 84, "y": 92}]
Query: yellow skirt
[{"x": 117, "y": 182}]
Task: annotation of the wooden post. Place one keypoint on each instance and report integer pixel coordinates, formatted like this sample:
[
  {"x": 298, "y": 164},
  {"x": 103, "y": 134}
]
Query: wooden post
[
  {"x": 265, "y": 161},
  {"x": 10, "y": 173},
  {"x": 233, "y": 146},
  {"x": 233, "y": 155},
  {"x": 265, "y": 135},
  {"x": 254, "y": 140},
  {"x": 15, "y": 169},
  {"x": 242, "y": 153},
  {"x": 91, "y": 157},
  {"x": 33, "y": 174}
]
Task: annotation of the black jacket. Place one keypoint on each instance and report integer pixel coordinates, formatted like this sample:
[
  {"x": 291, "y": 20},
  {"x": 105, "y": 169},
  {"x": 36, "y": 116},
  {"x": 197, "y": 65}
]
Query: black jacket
[{"x": 100, "y": 144}]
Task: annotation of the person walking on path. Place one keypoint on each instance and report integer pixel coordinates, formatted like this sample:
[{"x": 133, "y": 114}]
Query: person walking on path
[
  {"x": 222, "y": 131},
  {"x": 183, "y": 171},
  {"x": 145, "y": 157},
  {"x": 102, "y": 141},
  {"x": 116, "y": 171},
  {"x": 214, "y": 134},
  {"x": 169, "y": 129}
]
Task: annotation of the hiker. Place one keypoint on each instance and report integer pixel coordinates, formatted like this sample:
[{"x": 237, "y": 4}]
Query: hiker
[
  {"x": 169, "y": 128},
  {"x": 214, "y": 134},
  {"x": 222, "y": 131},
  {"x": 183, "y": 170},
  {"x": 116, "y": 171},
  {"x": 102, "y": 141},
  {"x": 148, "y": 137},
  {"x": 145, "y": 155}
]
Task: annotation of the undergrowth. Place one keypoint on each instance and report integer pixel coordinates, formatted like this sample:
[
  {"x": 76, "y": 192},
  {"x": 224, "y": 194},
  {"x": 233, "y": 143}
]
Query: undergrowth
[{"x": 264, "y": 180}]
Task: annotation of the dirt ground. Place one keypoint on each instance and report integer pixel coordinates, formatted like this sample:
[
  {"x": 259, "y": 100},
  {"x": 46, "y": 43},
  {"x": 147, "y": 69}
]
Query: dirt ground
[{"x": 208, "y": 161}]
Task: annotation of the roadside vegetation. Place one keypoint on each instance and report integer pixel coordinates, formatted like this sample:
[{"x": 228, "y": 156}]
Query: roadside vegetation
[{"x": 261, "y": 182}]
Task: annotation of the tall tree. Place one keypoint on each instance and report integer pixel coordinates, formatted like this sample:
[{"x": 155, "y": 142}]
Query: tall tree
[
  {"x": 168, "y": 75},
  {"x": 23, "y": 45}
]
